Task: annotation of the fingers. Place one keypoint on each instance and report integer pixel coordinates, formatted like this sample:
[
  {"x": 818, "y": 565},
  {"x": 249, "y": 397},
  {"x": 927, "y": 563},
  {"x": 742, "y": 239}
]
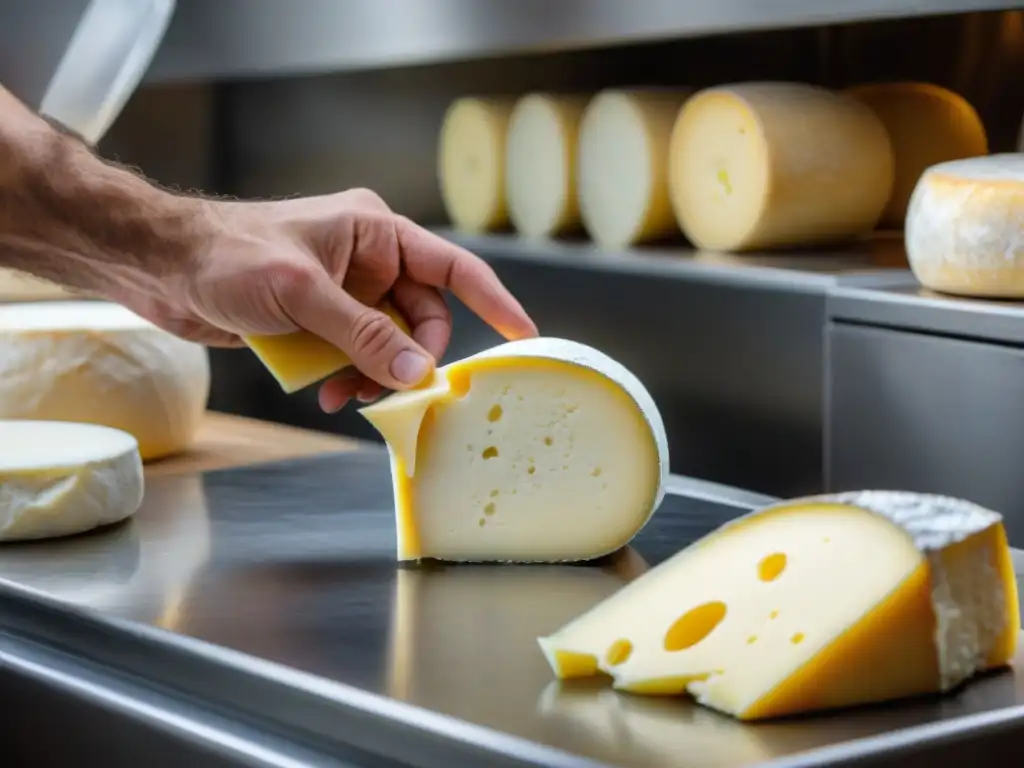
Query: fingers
[
  {"x": 338, "y": 390},
  {"x": 427, "y": 313}
]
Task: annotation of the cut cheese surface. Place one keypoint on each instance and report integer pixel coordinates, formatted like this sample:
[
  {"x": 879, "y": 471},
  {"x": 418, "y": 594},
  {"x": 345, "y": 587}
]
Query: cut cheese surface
[
  {"x": 99, "y": 363},
  {"x": 297, "y": 360},
  {"x": 964, "y": 227},
  {"x": 540, "y": 164},
  {"x": 61, "y": 478},
  {"x": 812, "y": 604},
  {"x": 623, "y": 166},
  {"x": 769, "y": 165},
  {"x": 927, "y": 125},
  {"x": 540, "y": 450},
  {"x": 471, "y": 163}
]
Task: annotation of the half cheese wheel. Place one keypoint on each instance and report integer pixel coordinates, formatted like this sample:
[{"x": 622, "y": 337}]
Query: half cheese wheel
[{"x": 769, "y": 165}]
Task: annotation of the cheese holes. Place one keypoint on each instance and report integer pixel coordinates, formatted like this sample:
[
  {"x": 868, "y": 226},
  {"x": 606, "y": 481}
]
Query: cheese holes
[
  {"x": 771, "y": 567},
  {"x": 797, "y": 638},
  {"x": 619, "y": 653},
  {"x": 495, "y": 413},
  {"x": 489, "y": 508},
  {"x": 490, "y": 452},
  {"x": 694, "y": 625},
  {"x": 548, "y": 440}
]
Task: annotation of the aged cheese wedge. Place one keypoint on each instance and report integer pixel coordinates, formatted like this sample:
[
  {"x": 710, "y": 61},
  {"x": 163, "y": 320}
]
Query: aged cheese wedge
[
  {"x": 540, "y": 450},
  {"x": 963, "y": 230},
  {"x": 768, "y": 165},
  {"x": 299, "y": 359},
  {"x": 540, "y": 164},
  {"x": 927, "y": 124},
  {"x": 98, "y": 362},
  {"x": 60, "y": 478},
  {"x": 623, "y": 166},
  {"x": 471, "y": 163},
  {"x": 811, "y": 604}
]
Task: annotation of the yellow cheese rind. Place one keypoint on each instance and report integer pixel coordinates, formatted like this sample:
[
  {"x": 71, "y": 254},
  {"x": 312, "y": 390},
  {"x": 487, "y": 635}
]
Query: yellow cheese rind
[
  {"x": 963, "y": 229},
  {"x": 471, "y": 163},
  {"x": 771, "y": 165},
  {"x": 784, "y": 611},
  {"x": 298, "y": 359},
  {"x": 540, "y": 450},
  {"x": 927, "y": 125}
]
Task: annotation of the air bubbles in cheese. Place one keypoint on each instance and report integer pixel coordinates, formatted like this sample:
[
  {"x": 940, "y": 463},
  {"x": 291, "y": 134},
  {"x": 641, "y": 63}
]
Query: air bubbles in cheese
[
  {"x": 784, "y": 610},
  {"x": 99, "y": 363},
  {"x": 964, "y": 231},
  {"x": 927, "y": 124},
  {"x": 769, "y": 165},
  {"x": 540, "y": 164},
  {"x": 299, "y": 359},
  {"x": 623, "y": 166},
  {"x": 539, "y": 450},
  {"x": 61, "y": 478},
  {"x": 471, "y": 163}
]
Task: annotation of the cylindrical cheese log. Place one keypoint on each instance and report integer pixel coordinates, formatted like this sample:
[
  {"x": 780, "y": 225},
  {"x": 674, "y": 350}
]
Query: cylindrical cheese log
[
  {"x": 927, "y": 125},
  {"x": 623, "y": 166},
  {"x": 471, "y": 163},
  {"x": 97, "y": 362},
  {"x": 965, "y": 227},
  {"x": 768, "y": 165},
  {"x": 540, "y": 164}
]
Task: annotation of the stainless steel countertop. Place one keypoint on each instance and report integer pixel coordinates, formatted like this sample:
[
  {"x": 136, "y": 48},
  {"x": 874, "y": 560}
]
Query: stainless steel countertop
[{"x": 272, "y": 592}]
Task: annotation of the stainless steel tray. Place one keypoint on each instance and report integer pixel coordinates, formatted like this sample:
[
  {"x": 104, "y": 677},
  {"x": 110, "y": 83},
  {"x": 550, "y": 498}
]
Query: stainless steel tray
[{"x": 259, "y": 612}]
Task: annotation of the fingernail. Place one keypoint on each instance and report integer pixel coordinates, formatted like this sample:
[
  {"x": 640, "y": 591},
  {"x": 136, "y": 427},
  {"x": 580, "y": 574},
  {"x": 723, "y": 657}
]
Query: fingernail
[{"x": 410, "y": 367}]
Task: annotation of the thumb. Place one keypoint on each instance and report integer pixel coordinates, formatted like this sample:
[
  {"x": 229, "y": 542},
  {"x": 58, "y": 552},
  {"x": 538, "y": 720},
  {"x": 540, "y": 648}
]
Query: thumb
[{"x": 376, "y": 345}]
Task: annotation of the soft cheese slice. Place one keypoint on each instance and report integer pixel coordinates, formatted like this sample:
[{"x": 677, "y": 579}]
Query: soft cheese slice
[
  {"x": 963, "y": 230},
  {"x": 540, "y": 450},
  {"x": 471, "y": 163},
  {"x": 623, "y": 166},
  {"x": 927, "y": 124},
  {"x": 540, "y": 164},
  {"x": 60, "y": 478},
  {"x": 299, "y": 359},
  {"x": 767, "y": 165},
  {"x": 812, "y": 604},
  {"x": 100, "y": 363}
]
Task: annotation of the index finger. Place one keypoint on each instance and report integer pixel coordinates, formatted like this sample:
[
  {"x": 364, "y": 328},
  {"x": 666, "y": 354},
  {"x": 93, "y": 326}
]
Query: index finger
[{"x": 429, "y": 259}]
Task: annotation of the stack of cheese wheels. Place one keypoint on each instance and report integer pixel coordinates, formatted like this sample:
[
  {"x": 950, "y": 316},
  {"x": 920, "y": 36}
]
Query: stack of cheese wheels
[
  {"x": 963, "y": 232},
  {"x": 471, "y": 163},
  {"x": 769, "y": 165},
  {"x": 540, "y": 164},
  {"x": 623, "y": 166},
  {"x": 99, "y": 363},
  {"x": 927, "y": 125}
]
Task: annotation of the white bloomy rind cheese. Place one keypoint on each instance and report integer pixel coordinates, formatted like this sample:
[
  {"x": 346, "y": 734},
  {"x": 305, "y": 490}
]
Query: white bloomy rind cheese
[
  {"x": 965, "y": 227},
  {"x": 540, "y": 450},
  {"x": 471, "y": 163},
  {"x": 811, "y": 604},
  {"x": 540, "y": 164},
  {"x": 769, "y": 165},
  {"x": 623, "y": 166},
  {"x": 60, "y": 478},
  {"x": 100, "y": 363}
]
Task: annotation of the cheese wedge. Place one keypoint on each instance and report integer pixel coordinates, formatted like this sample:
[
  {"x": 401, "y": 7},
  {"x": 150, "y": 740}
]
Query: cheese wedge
[
  {"x": 58, "y": 478},
  {"x": 811, "y": 604},
  {"x": 927, "y": 124},
  {"x": 297, "y": 360},
  {"x": 963, "y": 231},
  {"x": 471, "y": 163},
  {"x": 539, "y": 450},
  {"x": 771, "y": 165},
  {"x": 623, "y": 166},
  {"x": 540, "y": 164}
]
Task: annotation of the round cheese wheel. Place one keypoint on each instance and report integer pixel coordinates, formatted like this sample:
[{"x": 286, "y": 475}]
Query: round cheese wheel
[
  {"x": 623, "y": 166},
  {"x": 471, "y": 163},
  {"x": 62, "y": 478},
  {"x": 540, "y": 164},
  {"x": 768, "y": 165},
  {"x": 963, "y": 230},
  {"x": 98, "y": 362},
  {"x": 927, "y": 125}
]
